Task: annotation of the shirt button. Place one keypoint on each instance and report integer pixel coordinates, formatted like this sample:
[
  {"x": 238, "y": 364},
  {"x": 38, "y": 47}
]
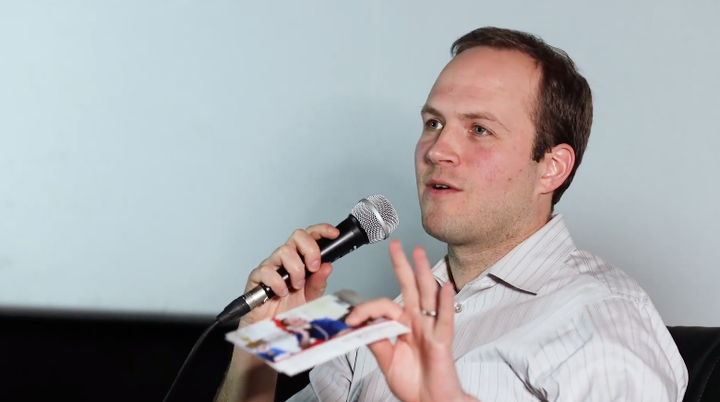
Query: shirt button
[{"x": 458, "y": 308}]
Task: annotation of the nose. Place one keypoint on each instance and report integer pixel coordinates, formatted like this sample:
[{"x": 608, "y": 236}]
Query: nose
[{"x": 444, "y": 149}]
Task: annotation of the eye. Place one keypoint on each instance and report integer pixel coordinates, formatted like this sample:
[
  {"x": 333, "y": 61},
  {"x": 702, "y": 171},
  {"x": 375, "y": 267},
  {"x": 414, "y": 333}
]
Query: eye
[
  {"x": 480, "y": 130},
  {"x": 433, "y": 124}
]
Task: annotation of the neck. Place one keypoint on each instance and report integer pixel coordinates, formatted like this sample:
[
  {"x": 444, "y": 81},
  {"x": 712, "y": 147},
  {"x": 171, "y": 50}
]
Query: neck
[{"x": 468, "y": 261}]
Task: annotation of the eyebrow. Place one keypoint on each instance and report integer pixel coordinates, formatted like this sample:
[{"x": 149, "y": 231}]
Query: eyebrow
[{"x": 427, "y": 109}]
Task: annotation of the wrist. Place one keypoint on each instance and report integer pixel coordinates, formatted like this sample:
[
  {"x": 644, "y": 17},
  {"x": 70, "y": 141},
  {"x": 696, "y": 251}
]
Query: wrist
[{"x": 248, "y": 378}]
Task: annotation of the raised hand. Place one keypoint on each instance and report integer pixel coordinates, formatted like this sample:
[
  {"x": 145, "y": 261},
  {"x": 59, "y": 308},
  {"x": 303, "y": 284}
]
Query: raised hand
[{"x": 420, "y": 365}]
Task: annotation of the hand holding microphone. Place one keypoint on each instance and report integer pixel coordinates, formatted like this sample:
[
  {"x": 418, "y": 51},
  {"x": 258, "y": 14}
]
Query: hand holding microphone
[
  {"x": 298, "y": 270},
  {"x": 300, "y": 251}
]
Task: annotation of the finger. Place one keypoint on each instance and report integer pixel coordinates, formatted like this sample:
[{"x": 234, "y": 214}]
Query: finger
[
  {"x": 321, "y": 230},
  {"x": 427, "y": 284},
  {"x": 406, "y": 277},
  {"x": 287, "y": 256},
  {"x": 446, "y": 315},
  {"x": 373, "y": 309},
  {"x": 383, "y": 351},
  {"x": 317, "y": 283},
  {"x": 306, "y": 245},
  {"x": 268, "y": 275}
]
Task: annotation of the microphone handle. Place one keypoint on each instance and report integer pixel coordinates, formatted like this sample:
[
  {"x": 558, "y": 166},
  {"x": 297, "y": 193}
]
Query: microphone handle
[{"x": 350, "y": 238}]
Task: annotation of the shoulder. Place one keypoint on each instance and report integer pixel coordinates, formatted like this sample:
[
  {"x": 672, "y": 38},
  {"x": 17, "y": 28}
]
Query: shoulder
[
  {"x": 601, "y": 275},
  {"x": 602, "y": 302},
  {"x": 600, "y": 318}
]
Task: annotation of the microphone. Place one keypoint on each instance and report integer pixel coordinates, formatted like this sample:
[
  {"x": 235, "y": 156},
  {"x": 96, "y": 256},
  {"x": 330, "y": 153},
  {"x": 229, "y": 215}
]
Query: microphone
[{"x": 371, "y": 220}]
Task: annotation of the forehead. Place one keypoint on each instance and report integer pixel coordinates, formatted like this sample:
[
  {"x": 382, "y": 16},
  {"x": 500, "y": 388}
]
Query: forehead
[{"x": 485, "y": 78}]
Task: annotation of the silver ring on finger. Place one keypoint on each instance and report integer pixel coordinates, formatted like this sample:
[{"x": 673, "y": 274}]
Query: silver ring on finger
[{"x": 429, "y": 313}]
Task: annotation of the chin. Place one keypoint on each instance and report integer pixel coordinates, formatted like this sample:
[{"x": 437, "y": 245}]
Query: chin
[
  {"x": 453, "y": 230},
  {"x": 440, "y": 228},
  {"x": 449, "y": 236}
]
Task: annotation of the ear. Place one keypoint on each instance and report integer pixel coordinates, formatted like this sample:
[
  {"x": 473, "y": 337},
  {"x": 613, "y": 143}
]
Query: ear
[{"x": 556, "y": 167}]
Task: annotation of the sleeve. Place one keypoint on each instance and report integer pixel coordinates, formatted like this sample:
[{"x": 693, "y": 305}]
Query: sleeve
[
  {"x": 329, "y": 382},
  {"x": 627, "y": 355}
]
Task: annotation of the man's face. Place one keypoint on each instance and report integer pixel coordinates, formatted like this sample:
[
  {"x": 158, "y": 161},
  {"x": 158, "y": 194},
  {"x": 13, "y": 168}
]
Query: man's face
[{"x": 477, "y": 139}]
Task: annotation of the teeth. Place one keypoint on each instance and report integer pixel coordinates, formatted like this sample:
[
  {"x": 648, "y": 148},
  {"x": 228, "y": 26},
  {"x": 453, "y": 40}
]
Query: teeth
[{"x": 440, "y": 186}]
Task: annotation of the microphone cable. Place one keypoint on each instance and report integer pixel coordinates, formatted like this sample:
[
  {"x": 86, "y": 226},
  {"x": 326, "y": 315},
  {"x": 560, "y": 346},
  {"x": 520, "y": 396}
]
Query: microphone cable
[{"x": 190, "y": 356}]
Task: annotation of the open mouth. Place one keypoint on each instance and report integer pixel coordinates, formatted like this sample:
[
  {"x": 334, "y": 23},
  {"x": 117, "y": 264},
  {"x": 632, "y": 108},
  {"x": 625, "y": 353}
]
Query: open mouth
[{"x": 439, "y": 187}]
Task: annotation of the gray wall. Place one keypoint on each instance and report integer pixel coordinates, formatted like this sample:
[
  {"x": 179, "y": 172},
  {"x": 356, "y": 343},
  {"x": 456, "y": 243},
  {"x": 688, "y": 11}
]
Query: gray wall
[{"x": 152, "y": 153}]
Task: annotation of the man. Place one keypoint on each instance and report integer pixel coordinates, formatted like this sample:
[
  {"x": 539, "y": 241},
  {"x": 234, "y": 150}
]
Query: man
[{"x": 515, "y": 312}]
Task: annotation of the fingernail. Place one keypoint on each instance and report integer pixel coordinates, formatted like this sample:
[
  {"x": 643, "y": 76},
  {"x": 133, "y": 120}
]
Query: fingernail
[
  {"x": 300, "y": 284},
  {"x": 315, "y": 264},
  {"x": 285, "y": 292}
]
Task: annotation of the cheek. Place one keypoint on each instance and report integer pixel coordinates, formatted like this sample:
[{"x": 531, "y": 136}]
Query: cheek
[
  {"x": 488, "y": 165},
  {"x": 500, "y": 171}
]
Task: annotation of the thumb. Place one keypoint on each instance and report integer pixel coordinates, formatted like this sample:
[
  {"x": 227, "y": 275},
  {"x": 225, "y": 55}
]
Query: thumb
[
  {"x": 383, "y": 352},
  {"x": 317, "y": 282}
]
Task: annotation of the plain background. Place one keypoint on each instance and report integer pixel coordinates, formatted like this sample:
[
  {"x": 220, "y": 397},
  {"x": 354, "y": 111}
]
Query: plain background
[{"x": 152, "y": 153}]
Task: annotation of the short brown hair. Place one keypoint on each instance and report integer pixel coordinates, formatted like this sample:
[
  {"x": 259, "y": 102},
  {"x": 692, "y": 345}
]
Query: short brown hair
[{"x": 564, "y": 110}]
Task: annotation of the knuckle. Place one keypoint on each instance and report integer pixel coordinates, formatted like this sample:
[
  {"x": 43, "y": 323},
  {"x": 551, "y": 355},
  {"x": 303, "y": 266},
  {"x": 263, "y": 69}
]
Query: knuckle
[
  {"x": 264, "y": 263},
  {"x": 257, "y": 272},
  {"x": 286, "y": 250},
  {"x": 313, "y": 252},
  {"x": 266, "y": 271}
]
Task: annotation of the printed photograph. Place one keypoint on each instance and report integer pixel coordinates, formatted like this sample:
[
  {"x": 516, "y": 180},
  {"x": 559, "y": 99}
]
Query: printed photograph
[{"x": 300, "y": 329}]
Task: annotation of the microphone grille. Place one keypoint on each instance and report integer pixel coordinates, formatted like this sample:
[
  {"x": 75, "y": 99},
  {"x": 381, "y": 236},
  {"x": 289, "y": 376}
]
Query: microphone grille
[{"x": 377, "y": 217}]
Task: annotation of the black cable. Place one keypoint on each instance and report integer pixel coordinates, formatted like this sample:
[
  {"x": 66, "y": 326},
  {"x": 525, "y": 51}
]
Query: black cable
[
  {"x": 191, "y": 355},
  {"x": 236, "y": 309}
]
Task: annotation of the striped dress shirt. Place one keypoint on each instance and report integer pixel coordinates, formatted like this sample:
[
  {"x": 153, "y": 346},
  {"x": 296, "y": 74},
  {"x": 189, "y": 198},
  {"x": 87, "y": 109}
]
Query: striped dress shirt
[{"x": 548, "y": 322}]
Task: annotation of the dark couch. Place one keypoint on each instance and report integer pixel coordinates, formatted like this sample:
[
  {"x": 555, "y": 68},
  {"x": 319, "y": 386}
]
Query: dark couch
[{"x": 103, "y": 357}]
